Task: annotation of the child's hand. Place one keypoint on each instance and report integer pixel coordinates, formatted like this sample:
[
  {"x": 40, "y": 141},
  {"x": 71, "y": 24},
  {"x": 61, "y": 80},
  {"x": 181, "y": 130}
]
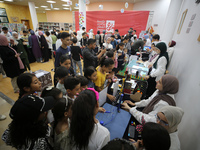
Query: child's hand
[
  {"x": 101, "y": 109},
  {"x": 109, "y": 80},
  {"x": 111, "y": 97}
]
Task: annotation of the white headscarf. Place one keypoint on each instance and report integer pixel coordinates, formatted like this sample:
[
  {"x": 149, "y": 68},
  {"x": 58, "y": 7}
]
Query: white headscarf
[
  {"x": 173, "y": 115},
  {"x": 15, "y": 40}
]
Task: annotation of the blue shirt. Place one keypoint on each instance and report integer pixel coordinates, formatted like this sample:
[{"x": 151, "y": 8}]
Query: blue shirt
[
  {"x": 59, "y": 52},
  {"x": 91, "y": 84},
  {"x": 114, "y": 43}
]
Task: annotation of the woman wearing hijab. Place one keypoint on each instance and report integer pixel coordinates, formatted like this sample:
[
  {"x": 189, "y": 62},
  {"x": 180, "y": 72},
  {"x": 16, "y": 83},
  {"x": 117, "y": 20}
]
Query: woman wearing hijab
[
  {"x": 166, "y": 87},
  {"x": 170, "y": 50},
  {"x": 19, "y": 47},
  {"x": 44, "y": 47},
  {"x": 34, "y": 44},
  {"x": 170, "y": 117},
  {"x": 12, "y": 63},
  {"x": 158, "y": 69}
]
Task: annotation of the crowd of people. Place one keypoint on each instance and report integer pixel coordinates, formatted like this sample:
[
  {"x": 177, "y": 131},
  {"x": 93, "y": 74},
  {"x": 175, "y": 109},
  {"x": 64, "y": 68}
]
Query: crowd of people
[{"x": 64, "y": 116}]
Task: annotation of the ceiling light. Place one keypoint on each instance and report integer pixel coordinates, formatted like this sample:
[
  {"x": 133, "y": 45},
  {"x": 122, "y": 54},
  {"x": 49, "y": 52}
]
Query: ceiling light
[
  {"x": 65, "y": 5},
  {"x": 65, "y": 0},
  {"x": 56, "y": 8},
  {"x": 1, "y": 1},
  {"x": 43, "y": 6},
  {"x": 51, "y": 2},
  {"x": 8, "y": 0},
  {"x": 65, "y": 8},
  {"x": 76, "y": 7},
  {"x": 47, "y": 9},
  {"x": 36, "y": 7}
]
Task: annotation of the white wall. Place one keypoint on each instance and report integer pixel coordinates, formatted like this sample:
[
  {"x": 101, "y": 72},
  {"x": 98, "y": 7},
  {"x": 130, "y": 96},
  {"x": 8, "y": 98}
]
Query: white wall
[
  {"x": 160, "y": 8},
  {"x": 185, "y": 65}
]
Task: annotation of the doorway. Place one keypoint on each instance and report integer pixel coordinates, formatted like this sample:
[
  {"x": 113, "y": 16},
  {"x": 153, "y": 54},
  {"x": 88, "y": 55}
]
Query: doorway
[{"x": 26, "y": 23}]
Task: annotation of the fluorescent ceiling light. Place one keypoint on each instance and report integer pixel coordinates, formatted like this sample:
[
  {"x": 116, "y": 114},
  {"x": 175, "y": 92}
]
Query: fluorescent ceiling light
[
  {"x": 56, "y": 8},
  {"x": 43, "y": 6},
  {"x": 51, "y": 2},
  {"x": 65, "y": 5},
  {"x": 36, "y": 7},
  {"x": 65, "y": 0},
  {"x": 76, "y": 7},
  {"x": 1, "y": 1},
  {"x": 47, "y": 9},
  {"x": 8, "y": 0},
  {"x": 65, "y": 8}
]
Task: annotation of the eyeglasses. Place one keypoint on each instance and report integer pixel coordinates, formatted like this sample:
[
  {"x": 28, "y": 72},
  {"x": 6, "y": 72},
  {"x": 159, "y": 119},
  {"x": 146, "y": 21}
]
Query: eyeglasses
[{"x": 163, "y": 122}]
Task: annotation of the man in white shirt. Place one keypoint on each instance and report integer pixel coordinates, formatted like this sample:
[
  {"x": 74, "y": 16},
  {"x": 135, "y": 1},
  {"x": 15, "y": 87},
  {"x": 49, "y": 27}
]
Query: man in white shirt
[{"x": 6, "y": 33}]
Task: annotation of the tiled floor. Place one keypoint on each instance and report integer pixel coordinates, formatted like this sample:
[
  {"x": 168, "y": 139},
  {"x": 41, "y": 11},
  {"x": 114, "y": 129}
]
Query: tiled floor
[{"x": 4, "y": 109}]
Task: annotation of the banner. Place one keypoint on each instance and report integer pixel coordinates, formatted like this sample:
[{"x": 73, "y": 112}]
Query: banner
[{"x": 111, "y": 20}]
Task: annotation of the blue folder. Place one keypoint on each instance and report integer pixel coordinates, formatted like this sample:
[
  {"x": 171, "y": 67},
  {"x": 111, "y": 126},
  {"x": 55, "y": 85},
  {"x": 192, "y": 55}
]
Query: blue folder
[{"x": 116, "y": 122}]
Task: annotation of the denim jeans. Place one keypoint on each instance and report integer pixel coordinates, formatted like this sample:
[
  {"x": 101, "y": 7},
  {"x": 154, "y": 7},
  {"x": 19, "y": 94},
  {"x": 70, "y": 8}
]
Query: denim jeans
[{"x": 79, "y": 65}]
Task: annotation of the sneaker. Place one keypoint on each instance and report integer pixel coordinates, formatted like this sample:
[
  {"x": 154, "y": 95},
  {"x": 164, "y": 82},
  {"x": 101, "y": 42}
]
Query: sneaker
[{"x": 2, "y": 117}]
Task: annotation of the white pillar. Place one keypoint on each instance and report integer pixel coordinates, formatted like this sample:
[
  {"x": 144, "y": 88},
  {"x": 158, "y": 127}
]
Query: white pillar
[
  {"x": 82, "y": 14},
  {"x": 33, "y": 15},
  {"x": 171, "y": 20}
]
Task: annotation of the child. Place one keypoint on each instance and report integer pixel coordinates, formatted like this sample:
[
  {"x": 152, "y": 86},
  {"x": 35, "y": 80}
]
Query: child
[
  {"x": 52, "y": 91},
  {"x": 84, "y": 82},
  {"x": 120, "y": 55},
  {"x": 85, "y": 130},
  {"x": 28, "y": 84},
  {"x": 91, "y": 74},
  {"x": 66, "y": 62},
  {"x": 76, "y": 53},
  {"x": 72, "y": 86},
  {"x": 64, "y": 49},
  {"x": 107, "y": 44},
  {"x": 84, "y": 85},
  {"x": 29, "y": 129},
  {"x": 126, "y": 55},
  {"x": 62, "y": 113},
  {"x": 105, "y": 66},
  {"x": 113, "y": 41},
  {"x": 61, "y": 73},
  {"x": 54, "y": 39},
  {"x": 56, "y": 94},
  {"x": 84, "y": 40},
  {"x": 24, "y": 37}
]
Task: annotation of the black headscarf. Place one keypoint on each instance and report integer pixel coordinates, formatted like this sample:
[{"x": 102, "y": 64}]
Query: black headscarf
[{"x": 163, "y": 52}]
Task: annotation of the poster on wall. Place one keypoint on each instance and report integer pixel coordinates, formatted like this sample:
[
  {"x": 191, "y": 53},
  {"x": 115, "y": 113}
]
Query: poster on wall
[{"x": 111, "y": 20}]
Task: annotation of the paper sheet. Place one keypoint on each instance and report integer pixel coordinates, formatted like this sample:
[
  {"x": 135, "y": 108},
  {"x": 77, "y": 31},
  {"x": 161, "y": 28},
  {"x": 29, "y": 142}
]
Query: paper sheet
[
  {"x": 115, "y": 88},
  {"x": 102, "y": 96}
]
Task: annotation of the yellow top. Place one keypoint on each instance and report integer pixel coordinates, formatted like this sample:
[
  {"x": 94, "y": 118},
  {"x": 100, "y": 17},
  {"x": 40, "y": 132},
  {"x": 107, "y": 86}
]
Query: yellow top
[{"x": 101, "y": 77}]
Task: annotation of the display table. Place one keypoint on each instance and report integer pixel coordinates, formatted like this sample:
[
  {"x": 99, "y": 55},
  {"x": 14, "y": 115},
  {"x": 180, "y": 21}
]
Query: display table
[{"x": 116, "y": 122}]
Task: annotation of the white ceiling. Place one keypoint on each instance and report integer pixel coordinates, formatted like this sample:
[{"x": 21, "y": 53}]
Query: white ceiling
[{"x": 59, "y": 3}]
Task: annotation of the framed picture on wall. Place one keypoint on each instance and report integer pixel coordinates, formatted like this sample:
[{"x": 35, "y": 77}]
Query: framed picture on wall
[
  {"x": 3, "y": 16},
  {"x": 182, "y": 21}
]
